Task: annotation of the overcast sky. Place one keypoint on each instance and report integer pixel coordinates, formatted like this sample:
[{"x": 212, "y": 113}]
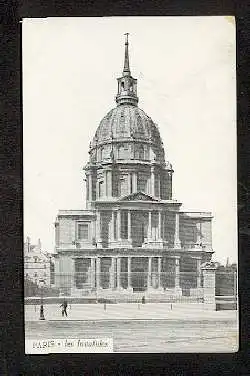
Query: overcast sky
[{"x": 185, "y": 68}]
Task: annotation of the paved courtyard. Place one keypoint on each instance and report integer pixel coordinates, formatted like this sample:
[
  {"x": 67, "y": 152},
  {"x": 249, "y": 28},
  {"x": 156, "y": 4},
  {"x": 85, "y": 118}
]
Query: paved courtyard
[{"x": 143, "y": 328}]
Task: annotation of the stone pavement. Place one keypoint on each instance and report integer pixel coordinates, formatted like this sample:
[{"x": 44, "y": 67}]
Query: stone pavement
[{"x": 131, "y": 311}]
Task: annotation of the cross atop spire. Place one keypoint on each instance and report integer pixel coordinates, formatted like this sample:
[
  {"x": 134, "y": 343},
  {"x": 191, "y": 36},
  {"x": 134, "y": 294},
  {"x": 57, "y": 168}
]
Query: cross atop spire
[{"x": 126, "y": 70}]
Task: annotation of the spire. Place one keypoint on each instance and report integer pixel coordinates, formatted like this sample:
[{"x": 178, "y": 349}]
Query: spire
[
  {"x": 127, "y": 85},
  {"x": 126, "y": 70}
]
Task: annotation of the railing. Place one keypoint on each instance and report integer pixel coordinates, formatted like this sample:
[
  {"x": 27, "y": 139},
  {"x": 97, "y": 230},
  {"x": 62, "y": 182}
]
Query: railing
[{"x": 183, "y": 287}]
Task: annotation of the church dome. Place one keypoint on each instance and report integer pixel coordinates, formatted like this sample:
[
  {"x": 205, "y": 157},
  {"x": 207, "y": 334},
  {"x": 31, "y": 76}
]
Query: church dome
[
  {"x": 126, "y": 132},
  {"x": 127, "y": 122}
]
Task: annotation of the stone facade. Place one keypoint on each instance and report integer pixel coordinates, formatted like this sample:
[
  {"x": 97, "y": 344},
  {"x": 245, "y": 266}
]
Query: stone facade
[
  {"x": 37, "y": 263},
  {"x": 133, "y": 236}
]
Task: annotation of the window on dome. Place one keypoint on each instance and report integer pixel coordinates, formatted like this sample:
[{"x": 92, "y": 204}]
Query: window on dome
[
  {"x": 142, "y": 182},
  {"x": 123, "y": 185},
  {"x": 139, "y": 152},
  {"x": 122, "y": 86},
  {"x": 101, "y": 154},
  {"x": 123, "y": 151}
]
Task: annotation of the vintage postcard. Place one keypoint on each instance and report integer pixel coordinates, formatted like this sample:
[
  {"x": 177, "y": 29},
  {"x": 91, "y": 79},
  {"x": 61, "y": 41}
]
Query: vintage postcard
[{"x": 130, "y": 186}]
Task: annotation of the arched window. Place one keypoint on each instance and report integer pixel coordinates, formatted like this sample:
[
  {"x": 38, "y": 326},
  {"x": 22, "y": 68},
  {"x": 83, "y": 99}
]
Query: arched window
[
  {"x": 122, "y": 85},
  {"x": 123, "y": 151},
  {"x": 101, "y": 154},
  {"x": 139, "y": 151}
]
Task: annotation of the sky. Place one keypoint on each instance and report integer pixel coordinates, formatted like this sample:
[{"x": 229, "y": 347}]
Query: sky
[{"x": 185, "y": 68}]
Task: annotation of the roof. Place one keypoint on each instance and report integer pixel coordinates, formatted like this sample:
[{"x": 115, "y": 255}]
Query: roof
[{"x": 127, "y": 122}]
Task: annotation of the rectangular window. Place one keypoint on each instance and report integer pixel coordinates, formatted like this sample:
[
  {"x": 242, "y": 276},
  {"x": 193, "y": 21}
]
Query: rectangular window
[{"x": 83, "y": 231}]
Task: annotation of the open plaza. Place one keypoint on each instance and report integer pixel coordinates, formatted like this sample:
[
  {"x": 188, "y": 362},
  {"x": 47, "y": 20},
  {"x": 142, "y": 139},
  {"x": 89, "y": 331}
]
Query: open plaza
[{"x": 136, "y": 327}]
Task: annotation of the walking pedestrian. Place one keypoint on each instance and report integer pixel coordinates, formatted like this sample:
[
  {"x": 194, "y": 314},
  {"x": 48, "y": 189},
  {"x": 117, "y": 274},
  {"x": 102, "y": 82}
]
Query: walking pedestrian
[{"x": 64, "y": 308}]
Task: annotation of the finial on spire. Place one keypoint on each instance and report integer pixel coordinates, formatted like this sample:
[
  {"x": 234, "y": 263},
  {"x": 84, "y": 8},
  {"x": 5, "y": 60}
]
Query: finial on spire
[
  {"x": 126, "y": 41},
  {"x": 126, "y": 70}
]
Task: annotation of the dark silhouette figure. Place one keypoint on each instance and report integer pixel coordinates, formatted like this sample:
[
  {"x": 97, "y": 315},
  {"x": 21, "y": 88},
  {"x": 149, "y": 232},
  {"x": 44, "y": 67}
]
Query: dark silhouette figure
[
  {"x": 143, "y": 300},
  {"x": 64, "y": 308}
]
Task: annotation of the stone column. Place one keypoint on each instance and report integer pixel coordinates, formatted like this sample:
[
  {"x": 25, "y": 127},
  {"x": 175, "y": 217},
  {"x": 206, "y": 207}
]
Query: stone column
[
  {"x": 159, "y": 183},
  {"x": 159, "y": 225},
  {"x": 109, "y": 183},
  {"x": 112, "y": 226},
  {"x": 57, "y": 273},
  {"x": 129, "y": 226},
  {"x": 152, "y": 181},
  {"x": 159, "y": 272},
  {"x": 105, "y": 183},
  {"x": 134, "y": 182},
  {"x": 208, "y": 271},
  {"x": 149, "y": 272},
  {"x": 98, "y": 272},
  {"x": 112, "y": 273},
  {"x": 177, "y": 243},
  {"x": 118, "y": 268},
  {"x": 118, "y": 232},
  {"x": 98, "y": 228},
  {"x": 90, "y": 187},
  {"x": 92, "y": 268},
  {"x": 129, "y": 183},
  {"x": 198, "y": 263},
  {"x": 149, "y": 225},
  {"x": 177, "y": 272},
  {"x": 129, "y": 272}
]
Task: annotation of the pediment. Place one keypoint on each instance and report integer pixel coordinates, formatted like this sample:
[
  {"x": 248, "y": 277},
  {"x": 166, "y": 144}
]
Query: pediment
[{"x": 139, "y": 196}]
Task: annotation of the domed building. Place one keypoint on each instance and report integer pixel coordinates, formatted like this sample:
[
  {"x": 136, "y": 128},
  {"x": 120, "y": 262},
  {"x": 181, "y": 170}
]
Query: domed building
[{"x": 133, "y": 237}]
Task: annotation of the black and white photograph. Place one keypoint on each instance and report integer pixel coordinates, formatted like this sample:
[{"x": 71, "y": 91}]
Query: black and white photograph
[{"x": 130, "y": 185}]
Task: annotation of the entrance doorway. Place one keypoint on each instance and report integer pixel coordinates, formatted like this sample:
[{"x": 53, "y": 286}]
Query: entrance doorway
[
  {"x": 138, "y": 229},
  {"x": 139, "y": 280}
]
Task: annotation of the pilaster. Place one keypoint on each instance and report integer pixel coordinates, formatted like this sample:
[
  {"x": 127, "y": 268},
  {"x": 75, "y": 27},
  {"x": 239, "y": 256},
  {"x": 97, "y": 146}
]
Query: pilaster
[
  {"x": 177, "y": 243},
  {"x": 208, "y": 270}
]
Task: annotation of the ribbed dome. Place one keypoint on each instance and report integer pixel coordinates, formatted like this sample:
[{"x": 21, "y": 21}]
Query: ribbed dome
[{"x": 127, "y": 122}]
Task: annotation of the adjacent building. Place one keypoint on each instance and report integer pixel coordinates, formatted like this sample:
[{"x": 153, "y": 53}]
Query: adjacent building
[
  {"x": 38, "y": 264},
  {"x": 133, "y": 235}
]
